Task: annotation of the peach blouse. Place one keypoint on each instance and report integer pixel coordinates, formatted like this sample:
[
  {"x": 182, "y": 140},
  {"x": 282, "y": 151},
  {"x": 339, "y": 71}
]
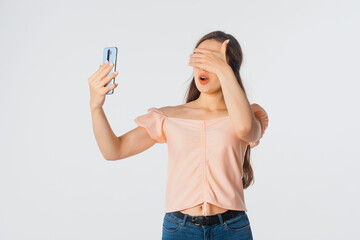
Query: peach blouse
[{"x": 205, "y": 159}]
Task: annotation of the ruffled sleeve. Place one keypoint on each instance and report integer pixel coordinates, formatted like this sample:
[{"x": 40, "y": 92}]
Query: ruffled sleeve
[
  {"x": 153, "y": 122},
  {"x": 260, "y": 114}
]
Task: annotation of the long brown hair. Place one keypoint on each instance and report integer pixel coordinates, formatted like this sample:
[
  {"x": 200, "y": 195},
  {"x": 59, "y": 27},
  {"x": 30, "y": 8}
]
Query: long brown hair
[{"x": 234, "y": 57}]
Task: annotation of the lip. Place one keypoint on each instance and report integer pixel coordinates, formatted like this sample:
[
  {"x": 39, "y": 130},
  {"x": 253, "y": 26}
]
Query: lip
[
  {"x": 203, "y": 75},
  {"x": 203, "y": 82}
]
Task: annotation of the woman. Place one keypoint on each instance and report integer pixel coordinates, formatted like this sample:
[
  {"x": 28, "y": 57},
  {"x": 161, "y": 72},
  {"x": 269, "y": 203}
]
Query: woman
[{"x": 209, "y": 140}]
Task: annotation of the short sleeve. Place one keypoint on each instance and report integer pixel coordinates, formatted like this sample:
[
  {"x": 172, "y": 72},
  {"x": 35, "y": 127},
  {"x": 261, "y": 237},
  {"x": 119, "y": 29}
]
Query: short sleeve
[
  {"x": 260, "y": 114},
  {"x": 153, "y": 122}
]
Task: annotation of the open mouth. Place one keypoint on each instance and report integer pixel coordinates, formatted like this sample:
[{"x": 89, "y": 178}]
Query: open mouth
[{"x": 203, "y": 77}]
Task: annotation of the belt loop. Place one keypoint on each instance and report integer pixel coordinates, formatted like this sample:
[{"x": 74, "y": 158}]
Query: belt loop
[
  {"x": 220, "y": 218},
  {"x": 184, "y": 220}
]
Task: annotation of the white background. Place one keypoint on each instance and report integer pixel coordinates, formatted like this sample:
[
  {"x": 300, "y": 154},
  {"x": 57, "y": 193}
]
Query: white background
[{"x": 301, "y": 63}]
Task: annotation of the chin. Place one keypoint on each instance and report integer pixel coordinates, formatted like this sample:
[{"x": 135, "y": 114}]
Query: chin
[{"x": 204, "y": 89}]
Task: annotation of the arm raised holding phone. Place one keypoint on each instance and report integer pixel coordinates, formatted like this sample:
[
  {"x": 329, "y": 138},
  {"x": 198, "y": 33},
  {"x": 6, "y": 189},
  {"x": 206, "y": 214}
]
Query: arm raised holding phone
[{"x": 112, "y": 147}]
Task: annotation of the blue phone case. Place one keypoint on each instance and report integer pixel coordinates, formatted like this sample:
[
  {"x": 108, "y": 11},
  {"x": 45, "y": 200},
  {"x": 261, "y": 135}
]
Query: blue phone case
[{"x": 110, "y": 54}]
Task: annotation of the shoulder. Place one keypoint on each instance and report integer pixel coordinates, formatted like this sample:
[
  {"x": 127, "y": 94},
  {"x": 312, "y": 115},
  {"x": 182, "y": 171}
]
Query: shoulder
[
  {"x": 166, "y": 109},
  {"x": 173, "y": 111}
]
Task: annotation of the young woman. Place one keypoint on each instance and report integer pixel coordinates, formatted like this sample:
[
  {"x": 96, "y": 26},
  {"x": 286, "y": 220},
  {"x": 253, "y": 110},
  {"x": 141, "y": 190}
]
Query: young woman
[{"x": 209, "y": 140}]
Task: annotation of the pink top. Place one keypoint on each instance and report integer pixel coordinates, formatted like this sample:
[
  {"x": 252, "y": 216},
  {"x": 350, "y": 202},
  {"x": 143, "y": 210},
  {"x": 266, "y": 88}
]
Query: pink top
[{"x": 205, "y": 159}]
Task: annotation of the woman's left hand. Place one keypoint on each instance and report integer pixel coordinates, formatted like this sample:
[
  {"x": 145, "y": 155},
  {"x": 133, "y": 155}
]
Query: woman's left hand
[{"x": 210, "y": 60}]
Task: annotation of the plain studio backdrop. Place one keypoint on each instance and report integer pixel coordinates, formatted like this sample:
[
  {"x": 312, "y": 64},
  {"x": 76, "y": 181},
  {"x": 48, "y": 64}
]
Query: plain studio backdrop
[{"x": 300, "y": 63}]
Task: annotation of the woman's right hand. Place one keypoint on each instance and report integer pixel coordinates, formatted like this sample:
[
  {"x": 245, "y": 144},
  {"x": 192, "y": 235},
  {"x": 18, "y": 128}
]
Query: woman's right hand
[{"x": 97, "y": 84}]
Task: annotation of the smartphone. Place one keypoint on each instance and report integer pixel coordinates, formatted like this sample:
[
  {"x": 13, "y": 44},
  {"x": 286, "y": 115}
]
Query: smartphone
[{"x": 110, "y": 54}]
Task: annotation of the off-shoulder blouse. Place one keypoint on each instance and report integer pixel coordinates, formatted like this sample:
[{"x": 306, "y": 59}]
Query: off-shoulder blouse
[{"x": 205, "y": 159}]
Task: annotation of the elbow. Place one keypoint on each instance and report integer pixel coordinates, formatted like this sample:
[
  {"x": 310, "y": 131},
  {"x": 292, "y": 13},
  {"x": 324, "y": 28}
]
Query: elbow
[
  {"x": 243, "y": 133},
  {"x": 110, "y": 158},
  {"x": 249, "y": 133},
  {"x": 112, "y": 154}
]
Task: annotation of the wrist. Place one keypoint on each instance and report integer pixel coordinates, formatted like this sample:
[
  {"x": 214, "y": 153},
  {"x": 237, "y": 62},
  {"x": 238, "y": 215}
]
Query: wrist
[
  {"x": 95, "y": 109},
  {"x": 225, "y": 71}
]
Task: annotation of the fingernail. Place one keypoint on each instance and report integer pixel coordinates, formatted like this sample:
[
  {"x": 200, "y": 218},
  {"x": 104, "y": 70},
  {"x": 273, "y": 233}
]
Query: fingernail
[{"x": 106, "y": 62}]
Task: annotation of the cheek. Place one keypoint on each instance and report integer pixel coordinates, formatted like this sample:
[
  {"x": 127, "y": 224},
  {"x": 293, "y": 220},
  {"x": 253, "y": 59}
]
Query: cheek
[
  {"x": 217, "y": 86},
  {"x": 215, "y": 82}
]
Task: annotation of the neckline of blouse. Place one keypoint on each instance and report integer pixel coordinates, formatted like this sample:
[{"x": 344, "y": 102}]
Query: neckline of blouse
[{"x": 188, "y": 119}]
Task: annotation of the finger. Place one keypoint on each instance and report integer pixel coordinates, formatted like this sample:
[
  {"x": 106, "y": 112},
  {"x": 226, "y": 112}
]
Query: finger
[
  {"x": 95, "y": 74},
  {"x": 194, "y": 55},
  {"x": 197, "y": 65},
  {"x": 202, "y": 50},
  {"x": 109, "y": 87},
  {"x": 107, "y": 79},
  {"x": 105, "y": 71},
  {"x": 197, "y": 60},
  {"x": 223, "y": 46}
]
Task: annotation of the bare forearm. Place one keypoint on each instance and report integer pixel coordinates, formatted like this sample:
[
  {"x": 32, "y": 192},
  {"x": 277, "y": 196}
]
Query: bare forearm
[
  {"x": 107, "y": 141},
  {"x": 236, "y": 101}
]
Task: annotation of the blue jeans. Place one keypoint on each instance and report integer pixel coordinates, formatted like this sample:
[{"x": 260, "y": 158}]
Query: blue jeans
[{"x": 237, "y": 227}]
